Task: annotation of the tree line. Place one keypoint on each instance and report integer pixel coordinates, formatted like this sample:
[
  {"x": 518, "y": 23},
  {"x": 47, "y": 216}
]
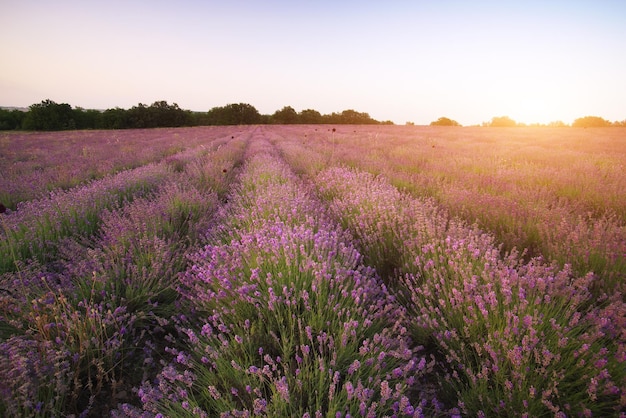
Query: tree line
[
  {"x": 507, "y": 122},
  {"x": 584, "y": 122},
  {"x": 51, "y": 116}
]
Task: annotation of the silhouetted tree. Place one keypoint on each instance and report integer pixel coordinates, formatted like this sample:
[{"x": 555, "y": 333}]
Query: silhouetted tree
[
  {"x": 443, "y": 121},
  {"x": 591, "y": 122}
]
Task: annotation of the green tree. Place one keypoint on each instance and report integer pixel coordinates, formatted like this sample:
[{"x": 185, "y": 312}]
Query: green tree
[
  {"x": 443, "y": 121},
  {"x": 49, "y": 116},
  {"x": 310, "y": 116},
  {"x": 287, "y": 115},
  {"x": 350, "y": 117},
  {"x": 163, "y": 114},
  {"x": 11, "y": 119},
  {"x": 114, "y": 119},
  {"x": 591, "y": 122},
  {"x": 140, "y": 117},
  {"x": 233, "y": 114},
  {"x": 86, "y": 118}
]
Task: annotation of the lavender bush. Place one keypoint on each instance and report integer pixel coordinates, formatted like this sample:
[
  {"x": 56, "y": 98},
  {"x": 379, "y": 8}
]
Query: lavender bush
[
  {"x": 222, "y": 281},
  {"x": 293, "y": 323},
  {"x": 556, "y": 193},
  {"x": 37, "y": 226},
  {"x": 105, "y": 305},
  {"x": 511, "y": 337}
]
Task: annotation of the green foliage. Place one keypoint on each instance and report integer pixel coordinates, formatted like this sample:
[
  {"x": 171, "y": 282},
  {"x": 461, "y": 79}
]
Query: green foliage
[
  {"x": 287, "y": 115},
  {"x": 310, "y": 116},
  {"x": 232, "y": 114},
  {"x": 350, "y": 117},
  {"x": 49, "y": 116},
  {"x": 85, "y": 118},
  {"x": 113, "y": 119},
  {"x": 158, "y": 115},
  {"x": 11, "y": 119},
  {"x": 443, "y": 121}
]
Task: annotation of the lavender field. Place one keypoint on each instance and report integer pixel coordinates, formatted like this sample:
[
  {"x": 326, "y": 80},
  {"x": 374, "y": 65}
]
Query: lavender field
[{"x": 300, "y": 271}]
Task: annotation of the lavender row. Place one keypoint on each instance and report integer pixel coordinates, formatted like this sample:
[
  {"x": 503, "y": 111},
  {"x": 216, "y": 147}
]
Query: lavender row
[
  {"x": 555, "y": 193},
  {"x": 511, "y": 337},
  {"x": 77, "y": 340},
  {"x": 35, "y": 229},
  {"x": 291, "y": 322},
  {"x": 33, "y": 164}
]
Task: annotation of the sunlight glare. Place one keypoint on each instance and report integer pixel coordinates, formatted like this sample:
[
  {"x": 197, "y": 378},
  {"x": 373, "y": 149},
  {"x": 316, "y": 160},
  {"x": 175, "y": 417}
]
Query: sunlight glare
[{"x": 531, "y": 110}]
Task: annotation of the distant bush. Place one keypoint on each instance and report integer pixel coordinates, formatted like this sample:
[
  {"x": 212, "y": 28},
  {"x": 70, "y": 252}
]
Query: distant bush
[
  {"x": 501, "y": 122},
  {"x": 443, "y": 121},
  {"x": 591, "y": 122}
]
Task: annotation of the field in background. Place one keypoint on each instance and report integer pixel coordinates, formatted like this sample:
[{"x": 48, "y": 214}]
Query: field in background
[
  {"x": 553, "y": 192},
  {"x": 34, "y": 163},
  {"x": 313, "y": 269}
]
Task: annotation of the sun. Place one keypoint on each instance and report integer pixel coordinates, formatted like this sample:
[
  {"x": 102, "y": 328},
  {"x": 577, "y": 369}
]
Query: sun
[
  {"x": 531, "y": 110},
  {"x": 537, "y": 100}
]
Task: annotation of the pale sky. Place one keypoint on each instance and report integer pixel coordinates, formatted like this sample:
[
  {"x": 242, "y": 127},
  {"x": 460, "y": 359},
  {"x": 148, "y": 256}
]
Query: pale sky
[{"x": 534, "y": 61}]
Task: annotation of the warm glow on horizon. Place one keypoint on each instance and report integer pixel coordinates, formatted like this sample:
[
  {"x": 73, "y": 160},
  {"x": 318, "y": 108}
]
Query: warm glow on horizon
[
  {"x": 537, "y": 110},
  {"x": 533, "y": 61}
]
